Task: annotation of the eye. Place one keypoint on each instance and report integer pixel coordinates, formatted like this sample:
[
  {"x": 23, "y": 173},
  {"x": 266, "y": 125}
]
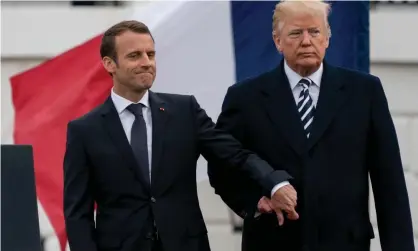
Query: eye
[
  {"x": 295, "y": 33},
  {"x": 133, "y": 55},
  {"x": 314, "y": 32}
]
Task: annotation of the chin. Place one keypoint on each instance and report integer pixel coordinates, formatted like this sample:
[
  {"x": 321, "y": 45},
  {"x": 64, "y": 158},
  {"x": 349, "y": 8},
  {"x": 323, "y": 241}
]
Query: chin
[
  {"x": 140, "y": 87},
  {"x": 309, "y": 62},
  {"x": 147, "y": 85}
]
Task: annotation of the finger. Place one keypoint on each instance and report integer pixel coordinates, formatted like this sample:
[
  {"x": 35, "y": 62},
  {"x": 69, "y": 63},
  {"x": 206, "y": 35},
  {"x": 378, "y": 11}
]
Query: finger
[
  {"x": 289, "y": 203},
  {"x": 288, "y": 208},
  {"x": 270, "y": 204},
  {"x": 293, "y": 215},
  {"x": 264, "y": 208},
  {"x": 292, "y": 194},
  {"x": 260, "y": 205},
  {"x": 284, "y": 204},
  {"x": 294, "y": 201},
  {"x": 264, "y": 198},
  {"x": 281, "y": 205},
  {"x": 280, "y": 217},
  {"x": 277, "y": 206},
  {"x": 291, "y": 191},
  {"x": 290, "y": 200}
]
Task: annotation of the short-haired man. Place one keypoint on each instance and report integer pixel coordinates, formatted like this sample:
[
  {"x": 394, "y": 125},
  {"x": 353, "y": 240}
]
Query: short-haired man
[
  {"x": 328, "y": 128},
  {"x": 135, "y": 158}
]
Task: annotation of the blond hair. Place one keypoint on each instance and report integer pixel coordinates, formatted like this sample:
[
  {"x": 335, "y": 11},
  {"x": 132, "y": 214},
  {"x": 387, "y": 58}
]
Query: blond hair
[{"x": 311, "y": 7}]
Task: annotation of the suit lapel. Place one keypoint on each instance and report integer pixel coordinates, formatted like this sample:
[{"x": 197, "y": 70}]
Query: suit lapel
[
  {"x": 281, "y": 108},
  {"x": 331, "y": 96},
  {"x": 160, "y": 115},
  {"x": 115, "y": 130}
]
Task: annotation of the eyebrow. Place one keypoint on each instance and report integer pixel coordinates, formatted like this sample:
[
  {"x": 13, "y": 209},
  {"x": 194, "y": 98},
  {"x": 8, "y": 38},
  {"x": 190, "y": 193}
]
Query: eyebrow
[
  {"x": 139, "y": 52},
  {"x": 310, "y": 28}
]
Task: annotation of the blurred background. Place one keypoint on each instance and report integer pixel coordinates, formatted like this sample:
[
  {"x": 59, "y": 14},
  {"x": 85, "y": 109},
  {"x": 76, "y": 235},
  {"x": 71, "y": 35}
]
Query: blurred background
[{"x": 33, "y": 32}]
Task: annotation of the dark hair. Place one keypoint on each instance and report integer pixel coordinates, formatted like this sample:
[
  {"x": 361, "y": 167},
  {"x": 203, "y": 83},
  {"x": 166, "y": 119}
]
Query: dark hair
[{"x": 107, "y": 47}]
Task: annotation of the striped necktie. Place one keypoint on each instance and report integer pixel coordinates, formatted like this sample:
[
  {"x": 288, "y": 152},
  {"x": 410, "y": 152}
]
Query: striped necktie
[{"x": 306, "y": 106}]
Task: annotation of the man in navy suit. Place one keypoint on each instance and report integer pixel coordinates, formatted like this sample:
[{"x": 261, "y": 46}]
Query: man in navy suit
[
  {"x": 135, "y": 157},
  {"x": 328, "y": 128}
]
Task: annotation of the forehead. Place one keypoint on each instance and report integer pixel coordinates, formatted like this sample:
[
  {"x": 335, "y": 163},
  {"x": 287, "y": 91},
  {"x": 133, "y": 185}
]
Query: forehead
[
  {"x": 303, "y": 20},
  {"x": 130, "y": 41}
]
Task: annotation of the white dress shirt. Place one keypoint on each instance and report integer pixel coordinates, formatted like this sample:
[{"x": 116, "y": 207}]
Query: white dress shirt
[
  {"x": 127, "y": 119},
  {"x": 294, "y": 79}
]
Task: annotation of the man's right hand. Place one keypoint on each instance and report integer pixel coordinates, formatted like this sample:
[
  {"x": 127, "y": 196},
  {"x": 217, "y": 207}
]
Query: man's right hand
[{"x": 285, "y": 199}]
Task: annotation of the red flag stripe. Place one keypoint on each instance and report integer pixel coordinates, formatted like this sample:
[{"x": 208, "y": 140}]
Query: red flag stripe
[{"x": 45, "y": 99}]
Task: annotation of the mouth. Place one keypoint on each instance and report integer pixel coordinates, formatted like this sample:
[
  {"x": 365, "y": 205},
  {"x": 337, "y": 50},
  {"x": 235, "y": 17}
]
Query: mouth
[
  {"x": 139, "y": 73},
  {"x": 306, "y": 54}
]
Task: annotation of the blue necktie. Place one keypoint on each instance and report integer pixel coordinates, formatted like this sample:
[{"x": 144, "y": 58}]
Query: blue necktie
[{"x": 139, "y": 139}]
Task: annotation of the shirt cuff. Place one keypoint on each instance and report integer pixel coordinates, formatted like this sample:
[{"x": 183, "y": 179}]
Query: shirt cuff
[{"x": 278, "y": 186}]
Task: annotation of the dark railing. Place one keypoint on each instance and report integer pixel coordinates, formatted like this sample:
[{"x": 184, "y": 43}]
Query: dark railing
[{"x": 97, "y": 3}]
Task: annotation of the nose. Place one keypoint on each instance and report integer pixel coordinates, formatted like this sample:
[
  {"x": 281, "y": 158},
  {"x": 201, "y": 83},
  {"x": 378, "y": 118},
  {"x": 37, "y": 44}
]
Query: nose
[
  {"x": 145, "y": 60},
  {"x": 306, "y": 39}
]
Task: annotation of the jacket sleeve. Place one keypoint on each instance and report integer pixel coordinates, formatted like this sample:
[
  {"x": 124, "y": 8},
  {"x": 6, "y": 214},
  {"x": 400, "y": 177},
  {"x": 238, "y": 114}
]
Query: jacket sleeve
[
  {"x": 239, "y": 176},
  {"x": 387, "y": 177},
  {"x": 78, "y": 195},
  {"x": 239, "y": 192}
]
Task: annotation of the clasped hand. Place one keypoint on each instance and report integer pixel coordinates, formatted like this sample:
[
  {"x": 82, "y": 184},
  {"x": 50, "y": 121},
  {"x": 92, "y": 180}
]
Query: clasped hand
[{"x": 283, "y": 200}]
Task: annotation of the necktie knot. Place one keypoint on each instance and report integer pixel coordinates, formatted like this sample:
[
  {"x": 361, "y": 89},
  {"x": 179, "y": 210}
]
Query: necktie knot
[
  {"x": 135, "y": 109},
  {"x": 305, "y": 83}
]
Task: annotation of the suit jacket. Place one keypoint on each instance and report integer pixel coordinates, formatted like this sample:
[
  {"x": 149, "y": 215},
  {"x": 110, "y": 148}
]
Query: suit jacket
[
  {"x": 99, "y": 167},
  {"x": 352, "y": 136}
]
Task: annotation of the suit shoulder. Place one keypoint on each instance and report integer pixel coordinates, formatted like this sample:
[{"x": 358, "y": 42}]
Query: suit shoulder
[
  {"x": 86, "y": 118},
  {"x": 251, "y": 83},
  {"x": 361, "y": 81},
  {"x": 174, "y": 97},
  {"x": 181, "y": 101},
  {"x": 358, "y": 75}
]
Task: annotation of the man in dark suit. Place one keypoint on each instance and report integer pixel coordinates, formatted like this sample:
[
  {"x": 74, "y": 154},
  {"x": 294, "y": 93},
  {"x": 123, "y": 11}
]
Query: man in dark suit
[
  {"x": 328, "y": 128},
  {"x": 135, "y": 158}
]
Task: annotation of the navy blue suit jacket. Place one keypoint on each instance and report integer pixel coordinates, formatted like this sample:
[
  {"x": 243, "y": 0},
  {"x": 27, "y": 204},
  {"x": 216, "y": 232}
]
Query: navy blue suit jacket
[{"x": 353, "y": 135}]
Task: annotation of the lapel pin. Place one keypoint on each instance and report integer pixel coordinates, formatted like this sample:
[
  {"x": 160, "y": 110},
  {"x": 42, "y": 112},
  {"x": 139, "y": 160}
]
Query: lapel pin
[{"x": 162, "y": 109}]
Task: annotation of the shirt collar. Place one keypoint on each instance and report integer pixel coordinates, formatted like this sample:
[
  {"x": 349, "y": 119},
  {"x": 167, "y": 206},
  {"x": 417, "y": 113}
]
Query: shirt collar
[
  {"x": 294, "y": 77},
  {"x": 121, "y": 103}
]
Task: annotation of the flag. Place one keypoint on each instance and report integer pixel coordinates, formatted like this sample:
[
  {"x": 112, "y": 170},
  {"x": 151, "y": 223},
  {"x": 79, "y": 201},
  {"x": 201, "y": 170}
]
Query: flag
[{"x": 202, "y": 48}]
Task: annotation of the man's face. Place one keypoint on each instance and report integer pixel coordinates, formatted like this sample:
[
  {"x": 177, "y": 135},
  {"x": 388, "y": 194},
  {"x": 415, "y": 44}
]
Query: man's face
[
  {"x": 303, "y": 40},
  {"x": 135, "y": 69}
]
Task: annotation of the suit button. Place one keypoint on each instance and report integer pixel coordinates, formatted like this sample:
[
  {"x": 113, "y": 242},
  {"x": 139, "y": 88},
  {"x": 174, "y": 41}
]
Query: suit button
[{"x": 153, "y": 200}]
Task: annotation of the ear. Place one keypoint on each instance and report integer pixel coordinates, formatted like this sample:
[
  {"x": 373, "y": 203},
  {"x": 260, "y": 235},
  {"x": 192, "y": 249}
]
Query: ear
[
  {"x": 328, "y": 36},
  {"x": 276, "y": 40},
  {"x": 109, "y": 64}
]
